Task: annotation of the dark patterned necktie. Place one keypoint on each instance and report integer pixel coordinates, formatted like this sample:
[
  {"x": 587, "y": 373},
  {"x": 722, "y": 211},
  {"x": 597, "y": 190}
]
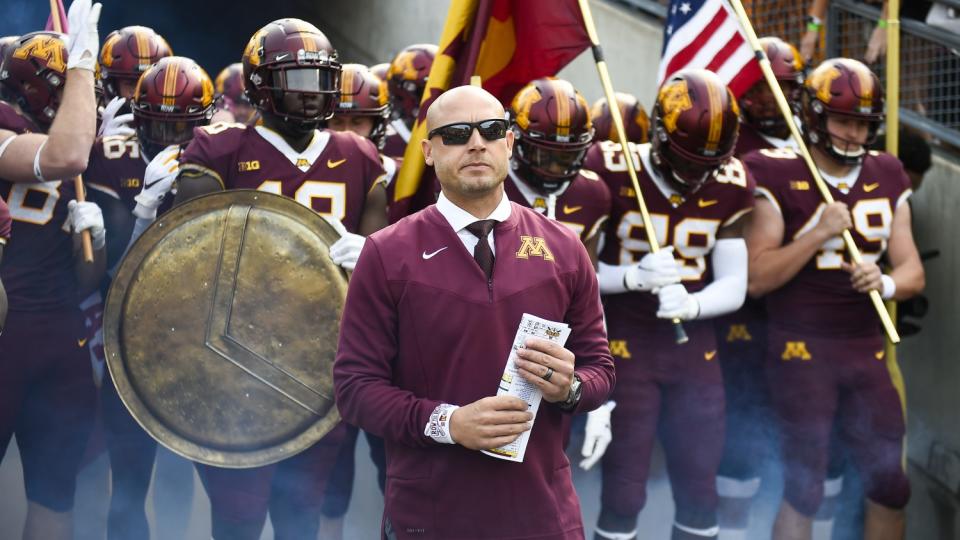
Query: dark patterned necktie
[{"x": 482, "y": 253}]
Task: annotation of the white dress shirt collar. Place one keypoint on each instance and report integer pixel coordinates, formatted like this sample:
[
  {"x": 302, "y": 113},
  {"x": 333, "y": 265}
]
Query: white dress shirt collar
[{"x": 458, "y": 218}]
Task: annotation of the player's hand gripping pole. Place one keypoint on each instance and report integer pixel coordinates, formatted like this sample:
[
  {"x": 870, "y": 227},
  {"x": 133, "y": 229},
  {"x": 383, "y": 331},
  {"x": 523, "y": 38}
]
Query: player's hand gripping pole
[
  {"x": 679, "y": 334},
  {"x": 85, "y": 238},
  {"x": 768, "y": 75}
]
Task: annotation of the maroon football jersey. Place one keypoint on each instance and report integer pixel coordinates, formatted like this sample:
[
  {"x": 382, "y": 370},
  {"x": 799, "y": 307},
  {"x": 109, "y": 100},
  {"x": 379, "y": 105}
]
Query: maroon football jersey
[
  {"x": 37, "y": 268},
  {"x": 583, "y": 205},
  {"x": 748, "y": 140},
  {"x": 688, "y": 223},
  {"x": 820, "y": 298},
  {"x": 116, "y": 168},
  {"x": 332, "y": 175},
  {"x": 5, "y": 222}
]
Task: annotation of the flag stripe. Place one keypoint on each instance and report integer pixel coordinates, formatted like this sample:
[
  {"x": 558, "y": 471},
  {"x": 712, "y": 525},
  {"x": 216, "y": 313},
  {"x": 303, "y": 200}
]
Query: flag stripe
[
  {"x": 684, "y": 57},
  {"x": 725, "y": 52},
  {"x": 706, "y": 34}
]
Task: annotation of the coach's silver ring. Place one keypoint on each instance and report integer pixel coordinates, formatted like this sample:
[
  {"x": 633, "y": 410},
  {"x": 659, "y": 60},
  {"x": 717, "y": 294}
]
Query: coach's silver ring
[{"x": 548, "y": 374}]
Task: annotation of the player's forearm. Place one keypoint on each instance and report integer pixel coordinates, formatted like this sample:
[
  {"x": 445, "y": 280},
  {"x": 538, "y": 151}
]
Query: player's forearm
[
  {"x": 772, "y": 268},
  {"x": 374, "y": 215},
  {"x": 909, "y": 278},
  {"x": 73, "y": 130}
]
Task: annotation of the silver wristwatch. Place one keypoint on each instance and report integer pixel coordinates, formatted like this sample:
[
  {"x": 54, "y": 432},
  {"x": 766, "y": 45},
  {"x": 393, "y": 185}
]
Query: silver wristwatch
[{"x": 573, "y": 397}]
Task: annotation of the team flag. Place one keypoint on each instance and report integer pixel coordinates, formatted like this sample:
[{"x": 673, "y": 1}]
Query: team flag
[
  {"x": 507, "y": 43},
  {"x": 706, "y": 34}
]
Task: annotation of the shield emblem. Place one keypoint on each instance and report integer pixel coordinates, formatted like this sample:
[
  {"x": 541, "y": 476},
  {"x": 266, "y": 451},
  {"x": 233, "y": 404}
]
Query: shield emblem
[{"x": 220, "y": 328}]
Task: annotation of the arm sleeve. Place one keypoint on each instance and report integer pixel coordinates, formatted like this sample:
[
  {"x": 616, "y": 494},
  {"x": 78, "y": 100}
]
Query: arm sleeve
[
  {"x": 610, "y": 277},
  {"x": 363, "y": 370},
  {"x": 588, "y": 337},
  {"x": 725, "y": 294}
]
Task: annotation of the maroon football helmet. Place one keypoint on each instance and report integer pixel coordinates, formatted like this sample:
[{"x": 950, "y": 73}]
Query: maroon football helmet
[
  {"x": 758, "y": 104},
  {"x": 174, "y": 96},
  {"x": 126, "y": 53},
  {"x": 551, "y": 121},
  {"x": 846, "y": 88},
  {"x": 695, "y": 127},
  {"x": 635, "y": 119},
  {"x": 291, "y": 56},
  {"x": 231, "y": 95},
  {"x": 407, "y": 79},
  {"x": 363, "y": 94},
  {"x": 33, "y": 75},
  {"x": 5, "y": 44},
  {"x": 380, "y": 70}
]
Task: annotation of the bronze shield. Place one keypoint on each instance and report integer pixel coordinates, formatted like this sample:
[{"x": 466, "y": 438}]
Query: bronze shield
[{"x": 220, "y": 328}]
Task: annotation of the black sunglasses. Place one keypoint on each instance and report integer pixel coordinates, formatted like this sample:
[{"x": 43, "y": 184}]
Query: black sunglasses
[{"x": 460, "y": 132}]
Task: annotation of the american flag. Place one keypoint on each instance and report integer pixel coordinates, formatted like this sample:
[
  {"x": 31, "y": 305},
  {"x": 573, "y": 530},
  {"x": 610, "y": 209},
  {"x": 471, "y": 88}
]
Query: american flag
[{"x": 706, "y": 34}]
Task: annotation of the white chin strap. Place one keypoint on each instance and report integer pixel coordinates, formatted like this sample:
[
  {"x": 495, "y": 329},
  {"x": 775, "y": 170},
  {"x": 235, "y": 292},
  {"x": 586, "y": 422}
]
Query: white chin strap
[{"x": 854, "y": 154}]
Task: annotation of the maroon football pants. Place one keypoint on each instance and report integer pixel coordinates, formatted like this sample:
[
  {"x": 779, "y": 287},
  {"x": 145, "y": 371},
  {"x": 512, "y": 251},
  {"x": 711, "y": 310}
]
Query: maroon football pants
[
  {"x": 676, "y": 392},
  {"x": 291, "y": 491},
  {"x": 815, "y": 382},
  {"x": 48, "y": 400}
]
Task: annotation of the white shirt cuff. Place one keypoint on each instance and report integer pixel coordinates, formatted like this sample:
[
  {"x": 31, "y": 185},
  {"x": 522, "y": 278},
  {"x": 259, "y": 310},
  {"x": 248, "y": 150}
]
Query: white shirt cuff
[{"x": 438, "y": 427}]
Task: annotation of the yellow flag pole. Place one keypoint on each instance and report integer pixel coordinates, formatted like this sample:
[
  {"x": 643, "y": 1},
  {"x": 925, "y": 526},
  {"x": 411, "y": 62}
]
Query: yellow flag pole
[
  {"x": 680, "y": 335},
  {"x": 851, "y": 246}
]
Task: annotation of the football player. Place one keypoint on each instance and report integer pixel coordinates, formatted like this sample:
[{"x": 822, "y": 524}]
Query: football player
[
  {"x": 171, "y": 98},
  {"x": 47, "y": 396},
  {"x": 39, "y": 138},
  {"x": 699, "y": 197},
  {"x": 231, "y": 97},
  {"x": 741, "y": 336},
  {"x": 553, "y": 131},
  {"x": 636, "y": 122},
  {"x": 125, "y": 55},
  {"x": 825, "y": 363},
  {"x": 292, "y": 76},
  {"x": 406, "y": 81}
]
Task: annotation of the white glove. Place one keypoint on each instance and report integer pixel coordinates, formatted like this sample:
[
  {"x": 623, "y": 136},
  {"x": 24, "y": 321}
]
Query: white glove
[
  {"x": 654, "y": 271},
  {"x": 157, "y": 182},
  {"x": 346, "y": 250},
  {"x": 87, "y": 215},
  {"x": 83, "y": 42},
  {"x": 677, "y": 303},
  {"x": 598, "y": 435},
  {"x": 111, "y": 124}
]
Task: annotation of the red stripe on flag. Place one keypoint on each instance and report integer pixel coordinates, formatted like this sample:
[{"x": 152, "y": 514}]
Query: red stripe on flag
[
  {"x": 748, "y": 75},
  {"x": 682, "y": 58},
  {"x": 725, "y": 52}
]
